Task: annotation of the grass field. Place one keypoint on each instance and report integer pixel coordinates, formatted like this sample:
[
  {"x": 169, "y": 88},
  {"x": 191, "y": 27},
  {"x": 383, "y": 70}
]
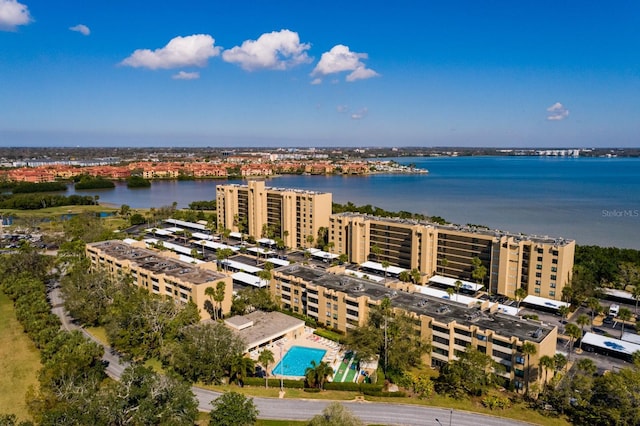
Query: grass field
[{"x": 19, "y": 362}]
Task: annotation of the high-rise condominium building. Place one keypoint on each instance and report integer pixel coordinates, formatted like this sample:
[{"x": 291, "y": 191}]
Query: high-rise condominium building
[
  {"x": 160, "y": 273},
  {"x": 450, "y": 326},
  {"x": 291, "y": 214},
  {"x": 541, "y": 265}
]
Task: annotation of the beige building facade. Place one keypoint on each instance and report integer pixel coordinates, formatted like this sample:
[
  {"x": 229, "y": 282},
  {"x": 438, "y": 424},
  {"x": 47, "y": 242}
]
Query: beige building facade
[
  {"x": 161, "y": 273},
  {"x": 541, "y": 265},
  {"x": 343, "y": 302},
  {"x": 290, "y": 214}
]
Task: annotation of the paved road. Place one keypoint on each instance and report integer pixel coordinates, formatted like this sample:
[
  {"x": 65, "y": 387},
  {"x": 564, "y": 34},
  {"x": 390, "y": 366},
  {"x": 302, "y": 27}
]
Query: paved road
[{"x": 302, "y": 409}]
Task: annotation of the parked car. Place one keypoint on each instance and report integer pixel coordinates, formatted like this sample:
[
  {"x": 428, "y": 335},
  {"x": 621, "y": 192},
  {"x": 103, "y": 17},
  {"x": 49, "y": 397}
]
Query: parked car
[{"x": 609, "y": 319}]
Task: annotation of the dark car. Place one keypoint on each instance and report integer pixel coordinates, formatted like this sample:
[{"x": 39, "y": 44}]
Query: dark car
[
  {"x": 598, "y": 330},
  {"x": 609, "y": 319}
]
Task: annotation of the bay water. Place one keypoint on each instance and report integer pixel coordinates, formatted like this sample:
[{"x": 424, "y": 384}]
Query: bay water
[{"x": 591, "y": 200}]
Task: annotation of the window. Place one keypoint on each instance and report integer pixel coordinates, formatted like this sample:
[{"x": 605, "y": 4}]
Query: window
[
  {"x": 538, "y": 266},
  {"x": 554, "y": 261},
  {"x": 440, "y": 329},
  {"x": 553, "y": 277},
  {"x": 552, "y": 293},
  {"x": 519, "y": 359},
  {"x": 538, "y": 274},
  {"x": 536, "y": 290},
  {"x": 538, "y": 282},
  {"x": 552, "y": 285},
  {"x": 539, "y": 258}
]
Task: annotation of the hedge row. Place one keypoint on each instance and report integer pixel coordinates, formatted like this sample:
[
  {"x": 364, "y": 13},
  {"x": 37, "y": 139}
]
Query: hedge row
[
  {"x": 331, "y": 335},
  {"x": 354, "y": 387},
  {"x": 275, "y": 383}
]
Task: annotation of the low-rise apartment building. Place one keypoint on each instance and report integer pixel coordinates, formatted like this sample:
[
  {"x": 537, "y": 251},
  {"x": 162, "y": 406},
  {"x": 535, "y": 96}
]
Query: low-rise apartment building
[
  {"x": 541, "y": 265},
  {"x": 290, "y": 214},
  {"x": 343, "y": 303},
  {"x": 161, "y": 273}
]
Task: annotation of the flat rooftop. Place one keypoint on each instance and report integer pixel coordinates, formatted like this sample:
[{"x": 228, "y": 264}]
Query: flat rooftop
[
  {"x": 157, "y": 263},
  {"x": 440, "y": 310},
  {"x": 545, "y": 239},
  {"x": 260, "y": 327},
  {"x": 279, "y": 189}
]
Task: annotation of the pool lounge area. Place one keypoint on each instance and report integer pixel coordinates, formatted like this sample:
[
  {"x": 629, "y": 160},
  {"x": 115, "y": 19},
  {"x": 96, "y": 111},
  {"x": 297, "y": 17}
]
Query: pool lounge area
[{"x": 297, "y": 360}]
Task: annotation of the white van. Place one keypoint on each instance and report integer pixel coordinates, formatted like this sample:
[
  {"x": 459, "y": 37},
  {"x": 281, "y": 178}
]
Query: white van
[{"x": 613, "y": 310}]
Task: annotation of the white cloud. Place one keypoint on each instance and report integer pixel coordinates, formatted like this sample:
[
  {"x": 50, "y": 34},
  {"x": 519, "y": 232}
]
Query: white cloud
[
  {"x": 193, "y": 50},
  {"x": 183, "y": 75},
  {"x": 557, "y": 112},
  {"x": 13, "y": 14},
  {"x": 359, "y": 115},
  {"x": 342, "y": 108},
  {"x": 82, "y": 29},
  {"x": 340, "y": 59},
  {"x": 278, "y": 50},
  {"x": 316, "y": 81}
]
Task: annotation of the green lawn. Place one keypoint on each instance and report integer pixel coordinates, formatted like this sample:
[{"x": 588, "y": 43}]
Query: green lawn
[
  {"x": 19, "y": 362},
  {"x": 99, "y": 333}
]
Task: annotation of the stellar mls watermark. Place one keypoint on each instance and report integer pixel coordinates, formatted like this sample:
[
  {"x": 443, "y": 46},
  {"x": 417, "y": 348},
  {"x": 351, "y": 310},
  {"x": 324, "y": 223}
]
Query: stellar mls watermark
[{"x": 621, "y": 213}]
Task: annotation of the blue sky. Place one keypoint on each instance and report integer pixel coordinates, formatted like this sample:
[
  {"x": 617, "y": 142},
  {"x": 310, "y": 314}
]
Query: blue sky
[{"x": 331, "y": 73}]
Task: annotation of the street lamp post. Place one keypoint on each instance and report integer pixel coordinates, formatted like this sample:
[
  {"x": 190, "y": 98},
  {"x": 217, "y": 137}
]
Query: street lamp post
[
  {"x": 281, "y": 366},
  {"x": 450, "y": 418}
]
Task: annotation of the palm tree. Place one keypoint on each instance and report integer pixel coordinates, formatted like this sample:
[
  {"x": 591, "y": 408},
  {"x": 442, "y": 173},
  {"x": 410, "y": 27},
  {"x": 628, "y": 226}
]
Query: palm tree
[
  {"x": 623, "y": 315},
  {"x": 218, "y": 296},
  {"x": 265, "y": 358},
  {"x": 520, "y": 294},
  {"x": 310, "y": 374},
  {"x": 211, "y": 292},
  {"x": 636, "y": 295},
  {"x": 457, "y": 284},
  {"x": 415, "y": 275},
  {"x": 310, "y": 240},
  {"x": 240, "y": 368},
  {"x": 559, "y": 362},
  {"x": 574, "y": 333},
  {"x": 547, "y": 363},
  {"x": 450, "y": 292},
  {"x": 385, "y": 265},
  {"x": 405, "y": 276},
  {"x": 594, "y": 305},
  {"x": 323, "y": 370},
  {"x": 582, "y": 321},
  {"x": 528, "y": 349},
  {"x": 375, "y": 250},
  {"x": 564, "y": 311},
  {"x": 587, "y": 366}
]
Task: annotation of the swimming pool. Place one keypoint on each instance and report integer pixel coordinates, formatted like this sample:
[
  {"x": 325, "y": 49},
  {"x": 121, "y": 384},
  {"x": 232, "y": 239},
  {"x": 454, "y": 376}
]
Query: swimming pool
[{"x": 297, "y": 360}]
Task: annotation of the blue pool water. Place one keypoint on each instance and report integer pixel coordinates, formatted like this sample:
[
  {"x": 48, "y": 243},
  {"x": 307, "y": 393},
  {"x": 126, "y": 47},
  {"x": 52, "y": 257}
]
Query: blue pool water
[{"x": 297, "y": 360}]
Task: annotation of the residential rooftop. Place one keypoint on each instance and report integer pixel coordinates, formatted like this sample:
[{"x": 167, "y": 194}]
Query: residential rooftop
[
  {"x": 496, "y": 233},
  {"x": 441, "y": 310},
  {"x": 258, "y": 327},
  {"x": 157, "y": 263},
  {"x": 272, "y": 188}
]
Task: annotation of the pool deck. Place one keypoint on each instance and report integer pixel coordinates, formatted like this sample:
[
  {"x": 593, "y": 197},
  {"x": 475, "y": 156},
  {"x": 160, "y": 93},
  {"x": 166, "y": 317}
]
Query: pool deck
[{"x": 333, "y": 356}]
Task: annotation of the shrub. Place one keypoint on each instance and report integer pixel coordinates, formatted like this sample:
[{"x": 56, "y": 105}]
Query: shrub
[
  {"x": 352, "y": 387},
  {"x": 274, "y": 383},
  {"x": 312, "y": 390},
  {"x": 493, "y": 401},
  {"x": 328, "y": 334}
]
